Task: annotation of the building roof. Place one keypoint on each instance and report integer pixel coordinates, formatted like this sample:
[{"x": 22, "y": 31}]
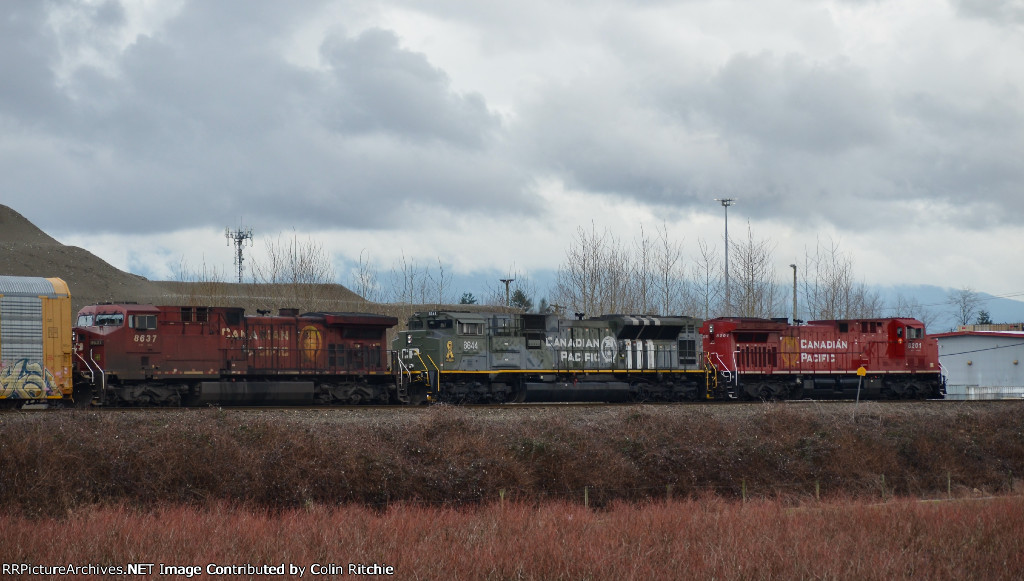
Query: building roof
[{"x": 1007, "y": 334}]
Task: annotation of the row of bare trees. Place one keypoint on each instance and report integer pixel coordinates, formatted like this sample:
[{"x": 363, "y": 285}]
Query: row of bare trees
[{"x": 601, "y": 274}]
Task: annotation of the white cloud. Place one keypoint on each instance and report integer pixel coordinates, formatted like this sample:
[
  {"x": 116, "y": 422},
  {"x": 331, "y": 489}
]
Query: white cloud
[{"x": 485, "y": 134}]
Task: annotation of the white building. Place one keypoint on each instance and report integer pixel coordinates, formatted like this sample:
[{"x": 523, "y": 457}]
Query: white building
[{"x": 982, "y": 364}]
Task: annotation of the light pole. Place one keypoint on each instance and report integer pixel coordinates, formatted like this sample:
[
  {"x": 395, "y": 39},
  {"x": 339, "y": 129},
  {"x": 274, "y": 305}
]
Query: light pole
[
  {"x": 507, "y": 281},
  {"x": 793, "y": 266},
  {"x": 726, "y": 202}
]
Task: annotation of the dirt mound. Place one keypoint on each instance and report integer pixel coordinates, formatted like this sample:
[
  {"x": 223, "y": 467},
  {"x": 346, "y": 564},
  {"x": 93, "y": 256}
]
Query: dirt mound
[{"x": 25, "y": 250}]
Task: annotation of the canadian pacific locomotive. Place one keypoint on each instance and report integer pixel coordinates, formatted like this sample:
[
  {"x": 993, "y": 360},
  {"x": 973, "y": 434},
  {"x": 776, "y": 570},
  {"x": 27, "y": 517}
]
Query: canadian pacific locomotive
[
  {"x": 509, "y": 357},
  {"x": 132, "y": 354},
  {"x": 871, "y": 358},
  {"x": 147, "y": 355}
]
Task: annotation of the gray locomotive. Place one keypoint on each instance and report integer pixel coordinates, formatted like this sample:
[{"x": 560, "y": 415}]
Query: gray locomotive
[{"x": 490, "y": 357}]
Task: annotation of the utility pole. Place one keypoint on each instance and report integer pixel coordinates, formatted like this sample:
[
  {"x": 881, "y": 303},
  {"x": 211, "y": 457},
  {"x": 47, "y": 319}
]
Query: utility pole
[
  {"x": 239, "y": 237},
  {"x": 507, "y": 281},
  {"x": 726, "y": 202}
]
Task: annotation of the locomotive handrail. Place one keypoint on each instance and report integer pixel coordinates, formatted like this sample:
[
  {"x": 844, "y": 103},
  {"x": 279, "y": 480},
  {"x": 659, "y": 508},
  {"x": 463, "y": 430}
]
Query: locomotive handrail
[
  {"x": 103, "y": 378},
  {"x": 92, "y": 375},
  {"x": 723, "y": 368},
  {"x": 403, "y": 369}
]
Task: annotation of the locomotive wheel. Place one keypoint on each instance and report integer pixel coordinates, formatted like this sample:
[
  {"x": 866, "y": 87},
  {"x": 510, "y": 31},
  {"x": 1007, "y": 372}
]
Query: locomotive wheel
[{"x": 912, "y": 391}]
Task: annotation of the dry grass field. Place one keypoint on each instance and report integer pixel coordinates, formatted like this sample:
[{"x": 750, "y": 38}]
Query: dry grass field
[
  {"x": 55, "y": 461},
  {"x": 701, "y": 538},
  {"x": 774, "y": 491}
]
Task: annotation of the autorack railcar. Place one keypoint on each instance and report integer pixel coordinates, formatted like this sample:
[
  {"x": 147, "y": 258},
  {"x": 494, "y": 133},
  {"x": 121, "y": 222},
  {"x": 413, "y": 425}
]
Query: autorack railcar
[{"x": 35, "y": 340}]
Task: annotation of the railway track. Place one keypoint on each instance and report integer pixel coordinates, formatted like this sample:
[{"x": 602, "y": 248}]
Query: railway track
[{"x": 45, "y": 408}]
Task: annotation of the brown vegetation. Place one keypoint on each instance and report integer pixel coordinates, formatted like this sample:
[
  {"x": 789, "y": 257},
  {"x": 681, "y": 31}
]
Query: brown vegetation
[
  {"x": 53, "y": 462},
  {"x": 704, "y": 538}
]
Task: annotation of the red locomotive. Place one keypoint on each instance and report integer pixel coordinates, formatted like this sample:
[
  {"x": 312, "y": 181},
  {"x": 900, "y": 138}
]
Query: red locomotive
[
  {"x": 160, "y": 355},
  {"x": 772, "y": 359}
]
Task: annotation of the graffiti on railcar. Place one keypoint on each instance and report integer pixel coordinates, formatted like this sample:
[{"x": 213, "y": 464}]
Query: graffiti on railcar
[{"x": 25, "y": 379}]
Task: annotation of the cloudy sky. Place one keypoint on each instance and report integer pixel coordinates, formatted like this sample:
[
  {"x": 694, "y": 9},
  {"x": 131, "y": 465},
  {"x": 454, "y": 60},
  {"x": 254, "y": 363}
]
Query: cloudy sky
[{"x": 483, "y": 134}]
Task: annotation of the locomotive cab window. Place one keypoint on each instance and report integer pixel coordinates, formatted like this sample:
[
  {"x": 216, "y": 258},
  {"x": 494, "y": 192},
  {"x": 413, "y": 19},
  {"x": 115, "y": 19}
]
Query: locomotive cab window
[
  {"x": 914, "y": 333},
  {"x": 110, "y": 319},
  {"x": 439, "y": 324},
  {"x": 142, "y": 322},
  {"x": 471, "y": 328},
  {"x": 85, "y": 321}
]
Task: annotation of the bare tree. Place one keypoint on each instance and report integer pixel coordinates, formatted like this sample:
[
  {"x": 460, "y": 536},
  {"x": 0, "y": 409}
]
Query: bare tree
[
  {"x": 294, "y": 262},
  {"x": 757, "y": 293},
  {"x": 707, "y": 276},
  {"x": 299, "y": 268},
  {"x": 405, "y": 280},
  {"x": 672, "y": 294},
  {"x": 364, "y": 280},
  {"x": 440, "y": 283},
  {"x": 830, "y": 288},
  {"x": 578, "y": 285},
  {"x": 912, "y": 308},
  {"x": 965, "y": 304},
  {"x": 206, "y": 284}
]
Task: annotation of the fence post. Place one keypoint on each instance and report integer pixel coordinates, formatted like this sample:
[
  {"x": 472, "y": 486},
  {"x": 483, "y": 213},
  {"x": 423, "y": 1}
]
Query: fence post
[
  {"x": 743, "y": 488},
  {"x": 586, "y": 496},
  {"x": 817, "y": 489},
  {"x": 501, "y": 493},
  {"x": 883, "y": 487},
  {"x": 949, "y": 485}
]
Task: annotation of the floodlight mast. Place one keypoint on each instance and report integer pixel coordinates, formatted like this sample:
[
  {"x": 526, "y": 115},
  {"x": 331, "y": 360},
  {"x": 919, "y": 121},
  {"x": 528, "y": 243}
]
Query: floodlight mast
[
  {"x": 726, "y": 202},
  {"x": 507, "y": 281},
  {"x": 239, "y": 237}
]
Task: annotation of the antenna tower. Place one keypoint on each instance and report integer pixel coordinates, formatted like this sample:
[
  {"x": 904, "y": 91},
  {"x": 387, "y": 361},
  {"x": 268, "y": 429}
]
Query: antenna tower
[{"x": 239, "y": 237}]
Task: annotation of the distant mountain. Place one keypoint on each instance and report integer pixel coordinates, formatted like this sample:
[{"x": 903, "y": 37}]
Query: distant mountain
[{"x": 937, "y": 301}]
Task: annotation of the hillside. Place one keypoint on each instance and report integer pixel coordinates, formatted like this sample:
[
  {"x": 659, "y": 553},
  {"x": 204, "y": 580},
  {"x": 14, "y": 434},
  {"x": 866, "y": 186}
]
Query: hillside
[{"x": 25, "y": 250}]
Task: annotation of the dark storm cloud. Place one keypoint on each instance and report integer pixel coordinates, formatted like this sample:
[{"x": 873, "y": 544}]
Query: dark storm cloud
[
  {"x": 381, "y": 88},
  {"x": 733, "y": 132},
  {"x": 1001, "y": 12},
  {"x": 26, "y": 54},
  {"x": 205, "y": 121},
  {"x": 815, "y": 141},
  {"x": 789, "y": 103}
]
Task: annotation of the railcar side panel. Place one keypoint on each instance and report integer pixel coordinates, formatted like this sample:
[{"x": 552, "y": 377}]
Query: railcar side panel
[{"x": 35, "y": 340}]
